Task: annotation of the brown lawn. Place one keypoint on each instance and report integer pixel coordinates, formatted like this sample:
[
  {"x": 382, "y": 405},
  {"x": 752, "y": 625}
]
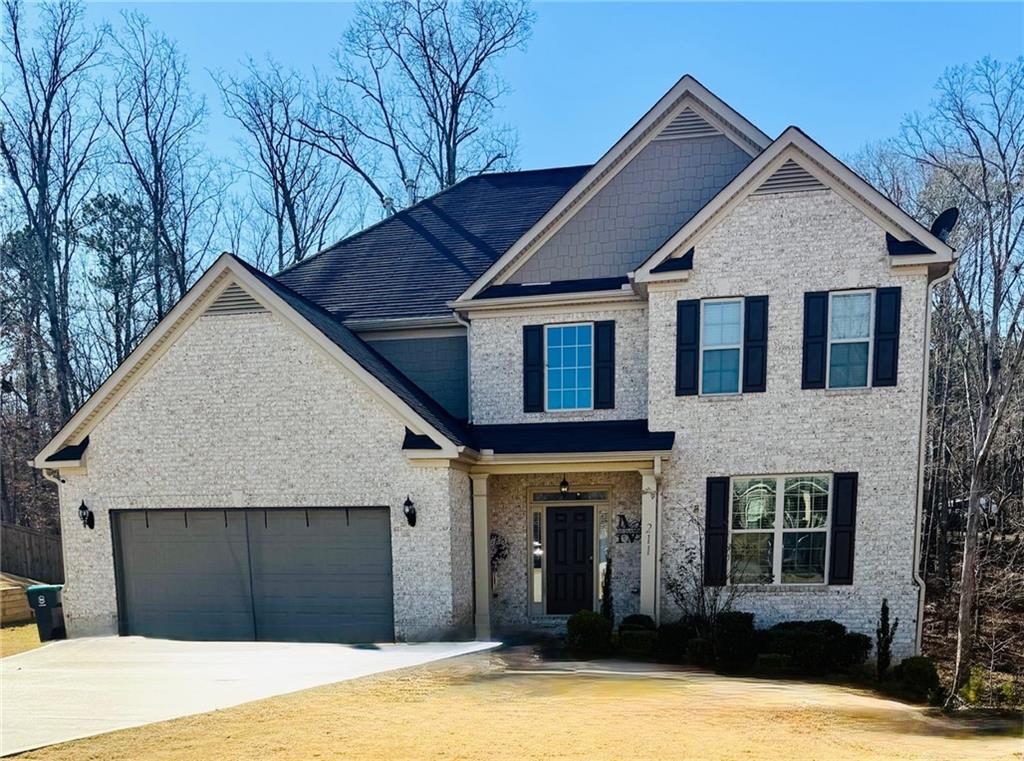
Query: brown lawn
[
  {"x": 475, "y": 708},
  {"x": 18, "y": 638}
]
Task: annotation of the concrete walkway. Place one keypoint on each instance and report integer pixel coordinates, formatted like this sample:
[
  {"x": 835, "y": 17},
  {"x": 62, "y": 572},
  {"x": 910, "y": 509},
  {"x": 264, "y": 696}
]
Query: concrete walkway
[{"x": 81, "y": 687}]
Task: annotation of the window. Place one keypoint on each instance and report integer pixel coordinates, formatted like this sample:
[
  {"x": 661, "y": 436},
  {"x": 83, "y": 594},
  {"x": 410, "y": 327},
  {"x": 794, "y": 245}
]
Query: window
[
  {"x": 778, "y": 529},
  {"x": 849, "y": 339},
  {"x": 721, "y": 344},
  {"x": 569, "y": 366}
]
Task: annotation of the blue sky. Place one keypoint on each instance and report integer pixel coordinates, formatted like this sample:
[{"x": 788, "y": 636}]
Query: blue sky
[{"x": 844, "y": 72}]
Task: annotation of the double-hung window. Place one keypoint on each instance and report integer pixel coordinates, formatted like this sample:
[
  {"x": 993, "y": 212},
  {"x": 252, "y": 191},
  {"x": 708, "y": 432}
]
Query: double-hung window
[
  {"x": 778, "y": 529},
  {"x": 850, "y": 329},
  {"x": 569, "y": 366},
  {"x": 721, "y": 346}
]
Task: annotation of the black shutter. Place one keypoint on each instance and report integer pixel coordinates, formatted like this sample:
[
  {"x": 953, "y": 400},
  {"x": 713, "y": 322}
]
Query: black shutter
[
  {"x": 716, "y": 532},
  {"x": 844, "y": 526},
  {"x": 887, "y": 337},
  {"x": 604, "y": 365},
  {"x": 755, "y": 343},
  {"x": 815, "y": 339},
  {"x": 687, "y": 346},
  {"x": 533, "y": 368}
]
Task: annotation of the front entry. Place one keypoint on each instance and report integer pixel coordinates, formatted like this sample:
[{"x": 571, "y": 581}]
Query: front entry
[{"x": 570, "y": 560}]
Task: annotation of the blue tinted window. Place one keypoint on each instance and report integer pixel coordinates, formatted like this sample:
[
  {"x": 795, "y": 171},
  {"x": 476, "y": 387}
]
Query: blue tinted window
[
  {"x": 721, "y": 371},
  {"x": 570, "y": 366},
  {"x": 721, "y": 337},
  {"x": 848, "y": 365}
]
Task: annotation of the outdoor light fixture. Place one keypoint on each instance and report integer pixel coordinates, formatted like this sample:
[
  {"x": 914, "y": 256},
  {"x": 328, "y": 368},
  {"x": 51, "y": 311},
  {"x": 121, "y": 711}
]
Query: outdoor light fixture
[
  {"x": 410, "y": 511},
  {"x": 564, "y": 486},
  {"x": 88, "y": 519}
]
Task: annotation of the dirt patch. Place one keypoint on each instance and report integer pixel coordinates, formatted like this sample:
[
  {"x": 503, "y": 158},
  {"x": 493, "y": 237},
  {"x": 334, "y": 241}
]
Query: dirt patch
[
  {"x": 472, "y": 708},
  {"x": 18, "y": 638}
]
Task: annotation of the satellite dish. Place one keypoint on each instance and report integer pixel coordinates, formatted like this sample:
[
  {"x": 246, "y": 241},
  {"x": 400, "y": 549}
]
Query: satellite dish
[{"x": 944, "y": 223}]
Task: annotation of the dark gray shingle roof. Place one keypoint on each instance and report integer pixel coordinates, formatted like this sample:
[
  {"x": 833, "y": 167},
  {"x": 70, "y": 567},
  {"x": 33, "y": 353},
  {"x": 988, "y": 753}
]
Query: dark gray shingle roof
[{"x": 412, "y": 263}]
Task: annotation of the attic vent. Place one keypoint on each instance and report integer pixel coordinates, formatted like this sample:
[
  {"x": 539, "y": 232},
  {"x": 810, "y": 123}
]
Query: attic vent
[
  {"x": 790, "y": 178},
  {"x": 234, "y": 300},
  {"x": 687, "y": 124}
]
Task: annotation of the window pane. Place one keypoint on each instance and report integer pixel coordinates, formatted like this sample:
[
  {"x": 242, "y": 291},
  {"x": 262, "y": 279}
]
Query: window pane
[
  {"x": 848, "y": 366},
  {"x": 805, "y": 503},
  {"x": 851, "y": 315},
  {"x": 752, "y": 558},
  {"x": 603, "y": 541},
  {"x": 753, "y": 503},
  {"x": 538, "y": 558},
  {"x": 721, "y": 323},
  {"x": 721, "y": 371},
  {"x": 803, "y": 557},
  {"x": 569, "y": 366}
]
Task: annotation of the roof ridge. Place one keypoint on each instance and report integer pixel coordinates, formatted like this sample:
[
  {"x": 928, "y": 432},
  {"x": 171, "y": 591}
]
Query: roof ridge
[{"x": 421, "y": 202}]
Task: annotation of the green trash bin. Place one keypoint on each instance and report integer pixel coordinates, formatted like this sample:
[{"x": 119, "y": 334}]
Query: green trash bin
[{"x": 44, "y": 599}]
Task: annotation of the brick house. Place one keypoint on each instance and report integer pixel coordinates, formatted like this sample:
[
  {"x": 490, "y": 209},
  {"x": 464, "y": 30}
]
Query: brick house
[{"x": 709, "y": 339}]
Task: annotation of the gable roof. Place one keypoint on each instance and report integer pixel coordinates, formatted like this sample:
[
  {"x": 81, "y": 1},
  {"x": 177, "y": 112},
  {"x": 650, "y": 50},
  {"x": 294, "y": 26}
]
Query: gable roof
[
  {"x": 414, "y": 262},
  {"x": 672, "y": 111},
  {"x": 415, "y": 408},
  {"x": 794, "y": 147}
]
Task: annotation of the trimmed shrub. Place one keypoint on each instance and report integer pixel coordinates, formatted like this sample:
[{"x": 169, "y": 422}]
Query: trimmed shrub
[
  {"x": 853, "y": 651},
  {"x": 815, "y": 648},
  {"x": 735, "y": 641},
  {"x": 588, "y": 632},
  {"x": 700, "y": 651},
  {"x": 771, "y": 664},
  {"x": 638, "y": 621},
  {"x": 673, "y": 639},
  {"x": 637, "y": 641},
  {"x": 918, "y": 676}
]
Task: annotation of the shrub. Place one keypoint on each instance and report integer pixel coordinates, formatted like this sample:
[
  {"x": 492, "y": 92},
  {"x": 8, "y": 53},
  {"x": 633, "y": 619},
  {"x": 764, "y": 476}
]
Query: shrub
[
  {"x": 884, "y": 636},
  {"x": 588, "y": 632},
  {"x": 853, "y": 651},
  {"x": 918, "y": 676},
  {"x": 771, "y": 664},
  {"x": 673, "y": 639},
  {"x": 734, "y": 641},
  {"x": 638, "y": 621},
  {"x": 815, "y": 648},
  {"x": 637, "y": 641},
  {"x": 700, "y": 651},
  {"x": 974, "y": 686}
]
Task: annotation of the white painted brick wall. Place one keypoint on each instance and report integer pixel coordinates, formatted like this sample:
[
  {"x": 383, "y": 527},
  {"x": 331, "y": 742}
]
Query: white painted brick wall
[
  {"x": 496, "y": 366},
  {"x": 243, "y": 411},
  {"x": 784, "y": 245}
]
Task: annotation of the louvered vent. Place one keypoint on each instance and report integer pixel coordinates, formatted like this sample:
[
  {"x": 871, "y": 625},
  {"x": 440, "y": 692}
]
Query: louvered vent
[
  {"x": 790, "y": 178},
  {"x": 234, "y": 300},
  {"x": 687, "y": 124}
]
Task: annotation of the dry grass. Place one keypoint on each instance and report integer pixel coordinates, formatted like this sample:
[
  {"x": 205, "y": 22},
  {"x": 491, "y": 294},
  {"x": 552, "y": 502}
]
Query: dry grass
[
  {"x": 18, "y": 638},
  {"x": 471, "y": 708}
]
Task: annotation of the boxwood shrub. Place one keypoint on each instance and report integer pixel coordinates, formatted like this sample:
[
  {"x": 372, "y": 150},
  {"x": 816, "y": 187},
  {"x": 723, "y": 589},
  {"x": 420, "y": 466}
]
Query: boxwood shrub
[{"x": 588, "y": 632}]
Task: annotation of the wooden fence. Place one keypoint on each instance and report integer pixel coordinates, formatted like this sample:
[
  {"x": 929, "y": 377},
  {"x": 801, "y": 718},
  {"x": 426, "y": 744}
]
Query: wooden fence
[{"x": 30, "y": 553}]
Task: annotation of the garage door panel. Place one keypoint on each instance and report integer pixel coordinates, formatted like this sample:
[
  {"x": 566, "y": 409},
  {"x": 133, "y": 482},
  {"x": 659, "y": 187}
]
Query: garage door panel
[{"x": 185, "y": 576}]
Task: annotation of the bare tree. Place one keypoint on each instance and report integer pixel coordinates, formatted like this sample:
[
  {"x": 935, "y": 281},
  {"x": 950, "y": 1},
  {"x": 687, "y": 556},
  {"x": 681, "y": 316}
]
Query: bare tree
[
  {"x": 974, "y": 139},
  {"x": 299, "y": 186},
  {"x": 47, "y": 140},
  {"x": 154, "y": 117},
  {"x": 411, "y": 108}
]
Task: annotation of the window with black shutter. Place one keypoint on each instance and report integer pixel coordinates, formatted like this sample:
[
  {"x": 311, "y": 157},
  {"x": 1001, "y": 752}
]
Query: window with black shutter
[
  {"x": 533, "y": 368},
  {"x": 604, "y": 365},
  {"x": 687, "y": 346}
]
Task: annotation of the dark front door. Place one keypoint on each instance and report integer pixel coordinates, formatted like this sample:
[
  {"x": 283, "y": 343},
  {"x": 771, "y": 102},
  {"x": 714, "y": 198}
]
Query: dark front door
[{"x": 570, "y": 575}]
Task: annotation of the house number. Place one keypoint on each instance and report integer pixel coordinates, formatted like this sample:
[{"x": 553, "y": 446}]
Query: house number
[{"x": 626, "y": 531}]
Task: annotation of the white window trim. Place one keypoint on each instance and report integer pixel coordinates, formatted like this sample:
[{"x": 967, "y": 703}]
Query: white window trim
[
  {"x": 540, "y": 610},
  {"x": 568, "y": 325},
  {"x": 700, "y": 354},
  {"x": 779, "y": 530},
  {"x": 870, "y": 338}
]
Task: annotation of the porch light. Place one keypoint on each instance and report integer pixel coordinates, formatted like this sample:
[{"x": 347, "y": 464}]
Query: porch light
[
  {"x": 86, "y": 516},
  {"x": 410, "y": 511},
  {"x": 564, "y": 486}
]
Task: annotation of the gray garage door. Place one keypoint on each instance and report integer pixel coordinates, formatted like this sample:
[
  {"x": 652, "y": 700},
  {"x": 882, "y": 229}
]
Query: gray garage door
[{"x": 318, "y": 575}]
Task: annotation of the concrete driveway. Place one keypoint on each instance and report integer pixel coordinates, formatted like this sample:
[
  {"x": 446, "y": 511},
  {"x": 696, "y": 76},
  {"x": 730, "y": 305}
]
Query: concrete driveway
[{"x": 82, "y": 687}]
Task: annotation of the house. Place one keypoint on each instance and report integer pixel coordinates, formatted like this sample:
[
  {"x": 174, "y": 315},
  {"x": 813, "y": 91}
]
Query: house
[{"x": 704, "y": 353}]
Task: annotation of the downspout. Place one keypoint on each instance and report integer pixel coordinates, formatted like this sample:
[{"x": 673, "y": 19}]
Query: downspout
[
  {"x": 921, "y": 449},
  {"x": 469, "y": 365}
]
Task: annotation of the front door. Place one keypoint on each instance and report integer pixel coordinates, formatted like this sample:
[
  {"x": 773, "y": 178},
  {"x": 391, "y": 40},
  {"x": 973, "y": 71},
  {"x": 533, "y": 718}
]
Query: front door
[{"x": 570, "y": 574}]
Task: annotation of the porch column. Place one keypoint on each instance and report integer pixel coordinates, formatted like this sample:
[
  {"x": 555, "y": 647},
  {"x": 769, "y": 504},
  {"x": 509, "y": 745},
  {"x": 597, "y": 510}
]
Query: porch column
[
  {"x": 481, "y": 557},
  {"x": 649, "y": 542}
]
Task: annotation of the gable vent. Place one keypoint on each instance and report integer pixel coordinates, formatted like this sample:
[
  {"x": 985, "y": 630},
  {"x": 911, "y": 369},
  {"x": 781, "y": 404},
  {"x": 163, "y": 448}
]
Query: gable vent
[
  {"x": 687, "y": 124},
  {"x": 234, "y": 300},
  {"x": 790, "y": 178}
]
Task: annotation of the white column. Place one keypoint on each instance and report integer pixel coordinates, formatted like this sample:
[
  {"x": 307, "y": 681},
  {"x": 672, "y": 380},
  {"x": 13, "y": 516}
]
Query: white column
[
  {"x": 481, "y": 557},
  {"x": 648, "y": 542}
]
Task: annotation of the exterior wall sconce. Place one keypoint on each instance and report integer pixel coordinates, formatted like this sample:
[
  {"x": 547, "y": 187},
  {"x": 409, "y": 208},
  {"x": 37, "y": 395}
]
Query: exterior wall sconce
[
  {"x": 564, "y": 486},
  {"x": 86, "y": 516},
  {"x": 410, "y": 511}
]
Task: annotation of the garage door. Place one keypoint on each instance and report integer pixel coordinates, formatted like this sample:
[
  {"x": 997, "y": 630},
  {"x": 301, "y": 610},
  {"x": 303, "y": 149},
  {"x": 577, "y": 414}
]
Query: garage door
[{"x": 318, "y": 575}]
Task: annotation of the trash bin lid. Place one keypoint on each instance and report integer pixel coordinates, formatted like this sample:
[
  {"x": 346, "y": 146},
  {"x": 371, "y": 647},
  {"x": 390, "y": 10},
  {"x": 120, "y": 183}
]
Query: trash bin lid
[{"x": 36, "y": 588}]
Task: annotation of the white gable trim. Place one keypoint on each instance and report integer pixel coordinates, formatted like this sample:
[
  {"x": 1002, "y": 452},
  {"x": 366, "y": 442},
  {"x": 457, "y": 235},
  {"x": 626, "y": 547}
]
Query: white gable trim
[
  {"x": 795, "y": 145},
  {"x": 220, "y": 276},
  {"x": 686, "y": 93}
]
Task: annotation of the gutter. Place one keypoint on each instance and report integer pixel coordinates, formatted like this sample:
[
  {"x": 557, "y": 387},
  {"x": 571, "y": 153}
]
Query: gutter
[{"x": 921, "y": 443}]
